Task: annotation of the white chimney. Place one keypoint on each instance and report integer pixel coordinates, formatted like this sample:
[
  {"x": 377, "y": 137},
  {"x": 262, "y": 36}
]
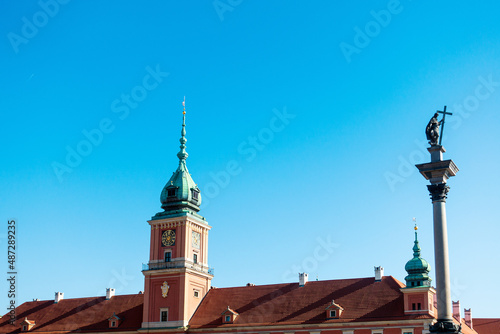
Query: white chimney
[
  {"x": 468, "y": 317},
  {"x": 456, "y": 310},
  {"x": 59, "y": 297},
  {"x": 303, "y": 278},
  {"x": 109, "y": 293},
  {"x": 379, "y": 273}
]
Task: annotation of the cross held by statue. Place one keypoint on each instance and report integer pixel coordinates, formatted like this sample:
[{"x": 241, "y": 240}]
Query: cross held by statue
[{"x": 442, "y": 122}]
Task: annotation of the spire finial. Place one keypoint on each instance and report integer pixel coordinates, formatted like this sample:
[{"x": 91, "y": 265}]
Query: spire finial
[
  {"x": 182, "y": 155},
  {"x": 416, "y": 247}
]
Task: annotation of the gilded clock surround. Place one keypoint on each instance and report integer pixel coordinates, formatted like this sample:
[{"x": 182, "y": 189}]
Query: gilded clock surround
[
  {"x": 168, "y": 238},
  {"x": 195, "y": 239}
]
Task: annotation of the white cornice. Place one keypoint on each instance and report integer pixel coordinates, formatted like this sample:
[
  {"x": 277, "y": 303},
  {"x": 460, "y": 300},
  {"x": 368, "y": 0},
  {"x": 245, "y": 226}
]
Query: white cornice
[{"x": 322, "y": 326}]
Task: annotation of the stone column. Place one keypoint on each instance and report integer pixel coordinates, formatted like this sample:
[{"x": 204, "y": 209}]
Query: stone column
[
  {"x": 438, "y": 194},
  {"x": 437, "y": 172}
]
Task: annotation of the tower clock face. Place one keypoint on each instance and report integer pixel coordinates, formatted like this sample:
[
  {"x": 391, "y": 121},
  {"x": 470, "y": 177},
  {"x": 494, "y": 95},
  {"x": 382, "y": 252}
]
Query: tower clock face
[
  {"x": 168, "y": 238},
  {"x": 196, "y": 240}
]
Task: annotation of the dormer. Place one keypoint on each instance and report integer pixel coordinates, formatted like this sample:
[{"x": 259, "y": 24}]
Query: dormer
[
  {"x": 27, "y": 325},
  {"x": 114, "y": 321},
  {"x": 229, "y": 316},
  {"x": 334, "y": 311}
]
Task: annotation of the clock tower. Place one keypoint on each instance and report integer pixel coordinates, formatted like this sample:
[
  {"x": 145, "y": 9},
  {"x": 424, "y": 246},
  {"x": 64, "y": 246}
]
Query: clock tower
[{"x": 177, "y": 276}]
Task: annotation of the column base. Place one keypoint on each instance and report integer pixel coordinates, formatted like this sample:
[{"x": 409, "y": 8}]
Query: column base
[{"x": 445, "y": 327}]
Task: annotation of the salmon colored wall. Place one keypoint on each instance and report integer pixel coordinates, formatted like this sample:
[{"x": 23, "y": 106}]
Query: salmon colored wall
[
  {"x": 416, "y": 299},
  {"x": 201, "y": 284},
  {"x": 364, "y": 331},
  {"x": 331, "y": 332},
  {"x": 180, "y": 300},
  {"x": 172, "y": 301},
  {"x": 392, "y": 330}
]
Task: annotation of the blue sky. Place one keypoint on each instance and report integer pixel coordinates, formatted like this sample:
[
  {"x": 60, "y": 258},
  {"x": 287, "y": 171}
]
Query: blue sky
[{"x": 304, "y": 121}]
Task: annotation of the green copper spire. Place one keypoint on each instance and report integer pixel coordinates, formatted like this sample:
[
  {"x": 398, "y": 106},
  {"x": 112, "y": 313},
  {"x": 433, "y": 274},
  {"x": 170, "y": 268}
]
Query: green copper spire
[
  {"x": 416, "y": 247},
  {"x": 182, "y": 155},
  {"x": 417, "y": 268},
  {"x": 181, "y": 194}
]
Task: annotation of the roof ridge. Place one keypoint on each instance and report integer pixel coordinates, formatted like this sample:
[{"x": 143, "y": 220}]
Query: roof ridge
[
  {"x": 283, "y": 284},
  {"x": 80, "y": 298}
]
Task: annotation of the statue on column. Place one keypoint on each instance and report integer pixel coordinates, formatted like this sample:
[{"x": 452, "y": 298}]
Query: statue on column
[{"x": 432, "y": 130}]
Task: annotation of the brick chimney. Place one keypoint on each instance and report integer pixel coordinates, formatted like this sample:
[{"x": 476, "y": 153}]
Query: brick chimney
[
  {"x": 456, "y": 310},
  {"x": 468, "y": 317}
]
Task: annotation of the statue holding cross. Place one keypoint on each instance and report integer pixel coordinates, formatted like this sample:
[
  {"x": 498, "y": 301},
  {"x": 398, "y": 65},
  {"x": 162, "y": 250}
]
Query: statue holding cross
[{"x": 432, "y": 129}]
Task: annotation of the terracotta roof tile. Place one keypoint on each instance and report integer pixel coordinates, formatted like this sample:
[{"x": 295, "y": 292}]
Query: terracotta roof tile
[
  {"x": 363, "y": 299},
  {"x": 78, "y": 314},
  {"x": 486, "y": 326}
]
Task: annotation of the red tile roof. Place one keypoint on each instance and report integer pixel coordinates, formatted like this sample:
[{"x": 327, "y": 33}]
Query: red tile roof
[
  {"x": 486, "y": 326},
  {"x": 363, "y": 299},
  {"x": 82, "y": 314}
]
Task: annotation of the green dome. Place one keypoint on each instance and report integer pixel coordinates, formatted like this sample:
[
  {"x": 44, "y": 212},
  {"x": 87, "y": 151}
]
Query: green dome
[
  {"x": 418, "y": 269},
  {"x": 180, "y": 191},
  {"x": 417, "y": 265}
]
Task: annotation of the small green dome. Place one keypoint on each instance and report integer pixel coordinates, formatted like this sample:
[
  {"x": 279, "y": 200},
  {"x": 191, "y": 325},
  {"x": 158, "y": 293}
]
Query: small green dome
[
  {"x": 417, "y": 265},
  {"x": 418, "y": 269}
]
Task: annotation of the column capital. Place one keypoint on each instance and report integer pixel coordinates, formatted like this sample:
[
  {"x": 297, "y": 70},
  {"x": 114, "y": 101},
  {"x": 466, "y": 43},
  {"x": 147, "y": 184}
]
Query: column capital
[{"x": 438, "y": 192}]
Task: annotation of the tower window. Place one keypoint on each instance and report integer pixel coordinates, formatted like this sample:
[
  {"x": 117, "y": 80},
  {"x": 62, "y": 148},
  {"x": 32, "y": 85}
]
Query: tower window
[
  {"x": 196, "y": 293},
  {"x": 163, "y": 315},
  {"x": 195, "y": 258},
  {"x": 194, "y": 194},
  {"x": 171, "y": 192},
  {"x": 168, "y": 256},
  {"x": 419, "y": 306},
  {"x": 413, "y": 306}
]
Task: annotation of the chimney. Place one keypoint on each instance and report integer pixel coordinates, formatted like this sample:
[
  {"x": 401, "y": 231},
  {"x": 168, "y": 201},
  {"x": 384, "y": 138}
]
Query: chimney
[
  {"x": 379, "y": 273},
  {"x": 303, "y": 278},
  {"x": 59, "y": 297},
  {"x": 456, "y": 310},
  {"x": 468, "y": 317},
  {"x": 109, "y": 293}
]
